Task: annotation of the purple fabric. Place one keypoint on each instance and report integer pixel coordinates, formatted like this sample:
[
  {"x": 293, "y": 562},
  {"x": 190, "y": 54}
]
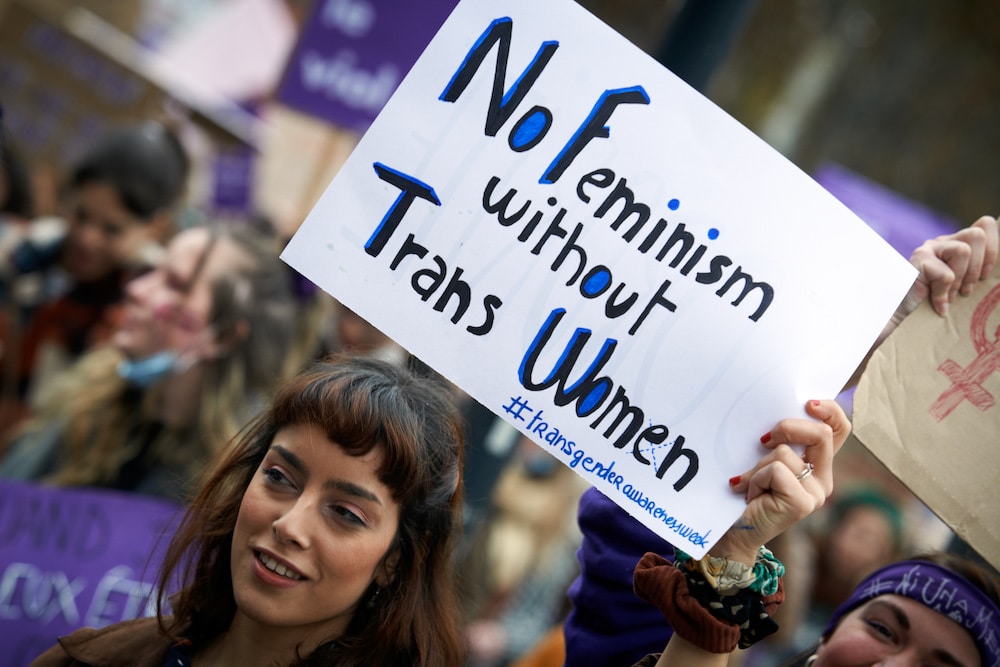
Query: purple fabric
[
  {"x": 904, "y": 223},
  {"x": 352, "y": 54},
  {"x": 937, "y": 588},
  {"x": 76, "y": 557},
  {"x": 609, "y": 624}
]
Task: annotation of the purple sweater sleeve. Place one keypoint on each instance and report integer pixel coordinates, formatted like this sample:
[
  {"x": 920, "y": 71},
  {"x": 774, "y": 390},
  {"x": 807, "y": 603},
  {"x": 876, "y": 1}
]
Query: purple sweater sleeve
[{"x": 609, "y": 624}]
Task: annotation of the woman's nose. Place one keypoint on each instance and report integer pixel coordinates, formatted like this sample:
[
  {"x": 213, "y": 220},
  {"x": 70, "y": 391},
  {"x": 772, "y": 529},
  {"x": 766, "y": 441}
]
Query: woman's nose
[
  {"x": 901, "y": 659},
  {"x": 139, "y": 286},
  {"x": 293, "y": 526}
]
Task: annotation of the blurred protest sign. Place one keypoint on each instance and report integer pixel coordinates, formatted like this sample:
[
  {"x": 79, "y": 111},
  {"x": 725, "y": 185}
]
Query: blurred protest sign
[
  {"x": 926, "y": 407},
  {"x": 601, "y": 256},
  {"x": 71, "y": 558},
  {"x": 67, "y": 77},
  {"x": 352, "y": 54}
]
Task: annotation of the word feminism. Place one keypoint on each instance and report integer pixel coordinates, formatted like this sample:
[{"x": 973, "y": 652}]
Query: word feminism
[{"x": 530, "y": 130}]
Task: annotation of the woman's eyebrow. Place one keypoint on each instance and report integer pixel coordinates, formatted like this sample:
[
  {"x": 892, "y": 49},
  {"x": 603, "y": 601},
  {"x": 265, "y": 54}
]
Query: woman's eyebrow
[
  {"x": 290, "y": 458},
  {"x": 352, "y": 489},
  {"x": 334, "y": 484},
  {"x": 901, "y": 618},
  {"x": 895, "y": 610},
  {"x": 947, "y": 658}
]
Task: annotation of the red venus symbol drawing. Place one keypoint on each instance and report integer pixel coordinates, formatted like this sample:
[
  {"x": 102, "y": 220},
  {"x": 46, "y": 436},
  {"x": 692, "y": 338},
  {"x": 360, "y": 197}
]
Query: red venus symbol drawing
[{"x": 967, "y": 382}]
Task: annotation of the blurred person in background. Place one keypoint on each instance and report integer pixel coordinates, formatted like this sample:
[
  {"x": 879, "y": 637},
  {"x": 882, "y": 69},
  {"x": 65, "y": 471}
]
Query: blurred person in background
[
  {"x": 524, "y": 557},
  {"x": 352, "y": 334},
  {"x": 203, "y": 339},
  {"x": 64, "y": 282}
]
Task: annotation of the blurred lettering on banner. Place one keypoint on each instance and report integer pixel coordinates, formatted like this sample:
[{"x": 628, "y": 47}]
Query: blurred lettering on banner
[
  {"x": 600, "y": 255},
  {"x": 353, "y": 53},
  {"x": 72, "y": 558}
]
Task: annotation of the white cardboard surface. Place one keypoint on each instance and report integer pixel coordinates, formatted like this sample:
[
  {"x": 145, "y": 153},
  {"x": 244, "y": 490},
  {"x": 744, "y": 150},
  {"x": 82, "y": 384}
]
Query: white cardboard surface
[{"x": 926, "y": 407}]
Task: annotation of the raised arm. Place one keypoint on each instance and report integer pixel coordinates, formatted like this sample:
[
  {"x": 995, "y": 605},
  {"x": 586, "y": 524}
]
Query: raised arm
[
  {"x": 949, "y": 265},
  {"x": 781, "y": 490}
]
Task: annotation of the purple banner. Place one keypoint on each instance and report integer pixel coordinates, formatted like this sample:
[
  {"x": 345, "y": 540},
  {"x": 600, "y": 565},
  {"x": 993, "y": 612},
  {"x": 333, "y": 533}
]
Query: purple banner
[
  {"x": 352, "y": 54},
  {"x": 72, "y": 558},
  {"x": 904, "y": 223}
]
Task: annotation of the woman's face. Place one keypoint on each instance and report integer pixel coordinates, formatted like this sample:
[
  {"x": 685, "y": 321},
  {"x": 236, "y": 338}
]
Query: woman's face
[
  {"x": 313, "y": 529},
  {"x": 860, "y": 543},
  {"x": 102, "y": 234},
  {"x": 169, "y": 308},
  {"x": 893, "y": 630}
]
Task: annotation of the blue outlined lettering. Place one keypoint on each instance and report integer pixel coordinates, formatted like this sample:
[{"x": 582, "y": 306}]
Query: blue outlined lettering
[
  {"x": 536, "y": 122},
  {"x": 593, "y": 127},
  {"x": 409, "y": 190},
  {"x": 591, "y": 390},
  {"x": 441, "y": 279}
]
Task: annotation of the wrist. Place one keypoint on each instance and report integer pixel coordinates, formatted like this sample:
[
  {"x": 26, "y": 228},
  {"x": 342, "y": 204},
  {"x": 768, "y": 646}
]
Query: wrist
[{"x": 742, "y": 549}]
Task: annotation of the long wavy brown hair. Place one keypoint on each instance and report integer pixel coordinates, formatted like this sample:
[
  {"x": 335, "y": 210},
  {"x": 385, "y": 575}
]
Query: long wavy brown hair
[
  {"x": 102, "y": 420},
  {"x": 360, "y": 404}
]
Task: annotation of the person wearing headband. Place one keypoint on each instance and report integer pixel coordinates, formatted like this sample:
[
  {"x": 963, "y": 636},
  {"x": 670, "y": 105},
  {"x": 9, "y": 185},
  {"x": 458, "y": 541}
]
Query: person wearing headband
[{"x": 934, "y": 611}]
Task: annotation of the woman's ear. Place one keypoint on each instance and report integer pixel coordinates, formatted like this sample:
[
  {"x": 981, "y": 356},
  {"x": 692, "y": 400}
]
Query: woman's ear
[{"x": 385, "y": 573}]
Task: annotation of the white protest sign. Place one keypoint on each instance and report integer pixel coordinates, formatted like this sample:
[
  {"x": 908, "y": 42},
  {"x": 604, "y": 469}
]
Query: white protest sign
[{"x": 600, "y": 255}]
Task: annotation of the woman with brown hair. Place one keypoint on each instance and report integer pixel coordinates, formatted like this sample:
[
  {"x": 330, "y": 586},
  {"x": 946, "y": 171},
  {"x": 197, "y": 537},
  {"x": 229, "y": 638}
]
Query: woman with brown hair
[
  {"x": 323, "y": 535},
  {"x": 204, "y": 338}
]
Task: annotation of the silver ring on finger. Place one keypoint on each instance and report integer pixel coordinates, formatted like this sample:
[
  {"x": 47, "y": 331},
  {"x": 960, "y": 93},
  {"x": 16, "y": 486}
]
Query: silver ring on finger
[{"x": 805, "y": 472}]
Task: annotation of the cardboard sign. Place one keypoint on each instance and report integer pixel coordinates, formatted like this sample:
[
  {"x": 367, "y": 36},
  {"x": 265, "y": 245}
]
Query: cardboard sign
[
  {"x": 600, "y": 255},
  {"x": 72, "y": 558},
  {"x": 352, "y": 54},
  {"x": 926, "y": 407}
]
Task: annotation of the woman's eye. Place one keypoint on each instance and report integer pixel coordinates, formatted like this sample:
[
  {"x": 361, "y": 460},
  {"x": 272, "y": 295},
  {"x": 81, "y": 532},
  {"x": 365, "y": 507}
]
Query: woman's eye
[
  {"x": 881, "y": 629},
  {"x": 275, "y": 475},
  {"x": 348, "y": 515}
]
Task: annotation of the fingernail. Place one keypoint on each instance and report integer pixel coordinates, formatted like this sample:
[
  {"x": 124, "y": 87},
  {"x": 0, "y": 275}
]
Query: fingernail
[
  {"x": 815, "y": 402},
  {"x": 733, "y": 481},
  {"x": 766, "y": 438}
]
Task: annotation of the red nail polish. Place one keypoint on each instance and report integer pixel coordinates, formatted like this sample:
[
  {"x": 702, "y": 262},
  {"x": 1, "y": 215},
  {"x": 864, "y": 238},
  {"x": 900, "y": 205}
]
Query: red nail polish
[
  {"x": 733, "y": 481},
  {"x": 766, "y": 438},
  {"x": 815, "y": 402}
]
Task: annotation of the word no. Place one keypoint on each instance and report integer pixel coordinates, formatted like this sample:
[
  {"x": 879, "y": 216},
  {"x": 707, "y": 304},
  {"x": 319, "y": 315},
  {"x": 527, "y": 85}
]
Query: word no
[{"x": 529, "y": 130}]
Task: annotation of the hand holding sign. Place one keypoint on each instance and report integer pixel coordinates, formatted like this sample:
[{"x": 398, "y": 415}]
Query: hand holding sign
[
  {"x": 785, "y": 487},
  {"x": 938, "y": 436},
  {"x": 952, "y": 264}
]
